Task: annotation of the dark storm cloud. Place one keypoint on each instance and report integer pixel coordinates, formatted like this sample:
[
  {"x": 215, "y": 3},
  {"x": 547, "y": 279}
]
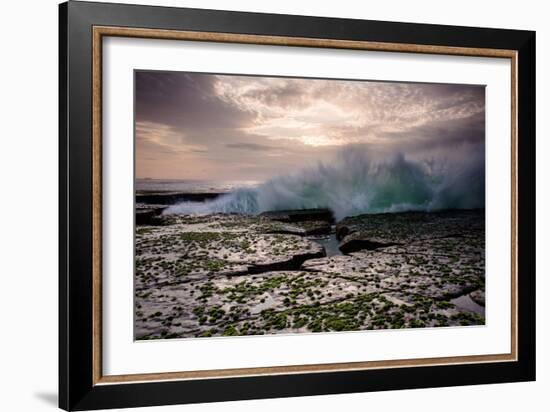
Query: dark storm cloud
[
  {"x": 440, "y": 133},
  {"x": 192, "y": 125},
  {"x": 183, "y": 100}
]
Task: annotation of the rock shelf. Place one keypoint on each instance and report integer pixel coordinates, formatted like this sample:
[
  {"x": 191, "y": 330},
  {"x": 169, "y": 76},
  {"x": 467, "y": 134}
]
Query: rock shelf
[{"x": 229, "y": 275}]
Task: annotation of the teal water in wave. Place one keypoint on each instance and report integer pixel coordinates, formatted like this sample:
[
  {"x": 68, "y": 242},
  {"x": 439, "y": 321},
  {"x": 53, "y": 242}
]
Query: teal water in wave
[{"x": 355, "y": 184}]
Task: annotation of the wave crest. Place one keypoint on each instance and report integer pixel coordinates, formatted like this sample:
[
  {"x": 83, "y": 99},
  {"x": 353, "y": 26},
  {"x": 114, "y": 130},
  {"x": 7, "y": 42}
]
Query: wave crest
[{"x": 355, "y": 184}]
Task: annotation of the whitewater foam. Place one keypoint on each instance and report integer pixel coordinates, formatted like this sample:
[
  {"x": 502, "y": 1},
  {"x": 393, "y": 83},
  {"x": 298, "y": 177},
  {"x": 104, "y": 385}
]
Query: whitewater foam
[{"x": 356, "y": 183}]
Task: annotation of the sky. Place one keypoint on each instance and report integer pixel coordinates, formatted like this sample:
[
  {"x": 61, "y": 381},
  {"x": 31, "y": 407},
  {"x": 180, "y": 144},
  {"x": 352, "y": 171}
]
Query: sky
[{"x": 252, "y": 128}]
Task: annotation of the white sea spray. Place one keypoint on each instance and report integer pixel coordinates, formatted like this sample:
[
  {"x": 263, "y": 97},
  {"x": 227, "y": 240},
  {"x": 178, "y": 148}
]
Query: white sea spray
[{"x": 357, "y": 182}]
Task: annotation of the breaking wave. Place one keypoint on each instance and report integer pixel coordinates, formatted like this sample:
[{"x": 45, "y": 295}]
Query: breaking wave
[{"x": 355, "y": 184}]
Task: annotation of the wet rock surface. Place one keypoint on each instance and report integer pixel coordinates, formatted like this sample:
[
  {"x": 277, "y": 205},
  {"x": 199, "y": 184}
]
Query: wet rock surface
[
  {"x": 149, "y": 214},
  {"x": 171, "y": 198},
  {"x": 227, "y": 275},
  {"x": 304, "y": 215}
]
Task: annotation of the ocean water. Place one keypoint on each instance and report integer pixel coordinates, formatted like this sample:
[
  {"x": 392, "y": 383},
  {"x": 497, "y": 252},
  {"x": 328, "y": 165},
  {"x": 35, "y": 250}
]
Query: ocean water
[
  {"x": 192, "y": 186},
  {"x": 355, "y": 184}
]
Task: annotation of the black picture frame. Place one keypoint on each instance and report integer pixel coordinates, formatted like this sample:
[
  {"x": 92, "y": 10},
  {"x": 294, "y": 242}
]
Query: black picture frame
[{"x": 77, "y": 390}]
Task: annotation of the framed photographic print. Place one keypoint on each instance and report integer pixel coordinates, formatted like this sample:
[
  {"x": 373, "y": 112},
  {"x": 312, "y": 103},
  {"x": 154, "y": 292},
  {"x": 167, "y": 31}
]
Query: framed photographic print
[{"x": 256, "y": 205}]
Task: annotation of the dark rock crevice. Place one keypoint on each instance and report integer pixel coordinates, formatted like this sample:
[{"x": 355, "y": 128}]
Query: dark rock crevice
[
  {"x": 292, "y": 264},
  {"x": 356, "y": 245},
  {"x": 303, "y": 215},
  {"x": 151, "y": 216},
  {"x": 310, "y": 228}
]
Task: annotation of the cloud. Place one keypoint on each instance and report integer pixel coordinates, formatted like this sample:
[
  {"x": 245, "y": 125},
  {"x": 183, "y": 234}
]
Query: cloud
[
  {"x": 193, "y": 125},
  {"x": 183, "y": 100},
  {"x": 249, "y": 146},
  {"x": 319, "y": 112},
  {"x": 163, "y": 139}
]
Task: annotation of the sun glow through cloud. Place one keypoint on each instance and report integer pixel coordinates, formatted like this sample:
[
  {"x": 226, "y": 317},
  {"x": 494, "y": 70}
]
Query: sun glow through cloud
[{"x": 224, "y": 124}]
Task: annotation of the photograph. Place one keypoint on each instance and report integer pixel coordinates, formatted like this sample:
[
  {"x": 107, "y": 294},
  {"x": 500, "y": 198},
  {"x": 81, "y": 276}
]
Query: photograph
[
  {"x": 286, "y": 205},
  {"x": 262, "y": 204}
]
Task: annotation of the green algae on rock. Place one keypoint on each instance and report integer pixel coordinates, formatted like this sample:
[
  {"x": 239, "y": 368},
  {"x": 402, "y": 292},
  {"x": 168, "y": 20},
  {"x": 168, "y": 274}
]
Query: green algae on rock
[{"x": 230, "y": 274}]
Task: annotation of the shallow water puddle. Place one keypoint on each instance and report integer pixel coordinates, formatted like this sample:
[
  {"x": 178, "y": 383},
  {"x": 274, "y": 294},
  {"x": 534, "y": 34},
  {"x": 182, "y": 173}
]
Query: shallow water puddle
[{"x": 330, "y": 243}]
